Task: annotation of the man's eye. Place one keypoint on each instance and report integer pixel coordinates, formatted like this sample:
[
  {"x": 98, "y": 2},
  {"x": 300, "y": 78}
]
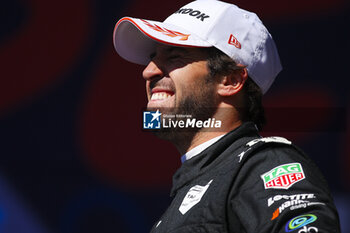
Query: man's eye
[
  {"x": 173, "y": 57},
  {"x": 152, "y": 56}
]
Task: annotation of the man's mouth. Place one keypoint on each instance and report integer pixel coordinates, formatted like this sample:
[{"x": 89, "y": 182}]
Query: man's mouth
[
  {"x": 161, "y": 98},
  {"x": 161, "y": 95}
]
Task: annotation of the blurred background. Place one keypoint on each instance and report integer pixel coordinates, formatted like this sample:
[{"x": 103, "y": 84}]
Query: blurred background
[{"x": 73, "y": 156}]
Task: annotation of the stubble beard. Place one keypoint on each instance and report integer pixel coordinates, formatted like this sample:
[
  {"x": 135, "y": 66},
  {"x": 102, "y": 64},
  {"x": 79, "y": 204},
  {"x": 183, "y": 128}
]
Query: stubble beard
[{"x": 200, "y": 105}]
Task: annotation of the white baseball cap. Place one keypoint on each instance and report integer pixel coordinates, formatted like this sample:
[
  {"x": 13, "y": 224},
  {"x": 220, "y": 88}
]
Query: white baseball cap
[{"x": 204, "y": 23}]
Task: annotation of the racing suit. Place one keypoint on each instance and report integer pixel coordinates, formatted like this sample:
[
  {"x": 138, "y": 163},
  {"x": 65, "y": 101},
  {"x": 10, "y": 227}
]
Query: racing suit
[{"x": 244, "y": 183}]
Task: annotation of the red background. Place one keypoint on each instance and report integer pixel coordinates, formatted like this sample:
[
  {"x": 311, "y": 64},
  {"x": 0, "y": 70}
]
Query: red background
[{"x": 72, "y": 145}]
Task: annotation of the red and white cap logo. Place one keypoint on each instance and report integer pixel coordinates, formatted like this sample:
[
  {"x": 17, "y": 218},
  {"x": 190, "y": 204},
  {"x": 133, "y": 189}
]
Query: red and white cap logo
[{"x": 233, "y": 41}]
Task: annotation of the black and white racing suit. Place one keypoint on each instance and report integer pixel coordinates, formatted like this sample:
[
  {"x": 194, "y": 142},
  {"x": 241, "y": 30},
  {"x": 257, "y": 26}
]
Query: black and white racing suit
[{"x": 244, "y": 183}]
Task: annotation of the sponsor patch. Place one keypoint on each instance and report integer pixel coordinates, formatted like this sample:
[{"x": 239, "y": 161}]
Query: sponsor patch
[
  {"x": 263, "y": 140},
  {"x": 233, "y": 41},
  {"x": 193, "y": 197},
  {"x": 269, "y": 139},
  {"x": 293, "y": 205},
  {"x": 306, "y": 229},
  {"x": 283, "y": 176},
  {"x": 299, "y": 222},
  {"x": 303, "y": 196}
]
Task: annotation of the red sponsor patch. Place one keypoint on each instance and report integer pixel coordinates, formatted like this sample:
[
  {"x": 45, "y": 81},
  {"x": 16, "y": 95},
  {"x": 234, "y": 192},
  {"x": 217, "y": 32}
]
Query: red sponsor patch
[
  {"x": 285, "y": 181},
  {"x": 233, "y": 41},
  {"x": 283, "y": 176}
]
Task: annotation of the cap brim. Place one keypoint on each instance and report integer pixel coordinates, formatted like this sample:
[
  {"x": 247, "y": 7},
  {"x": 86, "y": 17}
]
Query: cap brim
[{"x": 136, "y": 39}]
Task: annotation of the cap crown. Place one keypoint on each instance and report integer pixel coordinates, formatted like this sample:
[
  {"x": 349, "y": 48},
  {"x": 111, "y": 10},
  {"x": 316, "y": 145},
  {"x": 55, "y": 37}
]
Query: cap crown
[
  {"x": 238, "y": 33},
  {"x": 204, "y": 23}
]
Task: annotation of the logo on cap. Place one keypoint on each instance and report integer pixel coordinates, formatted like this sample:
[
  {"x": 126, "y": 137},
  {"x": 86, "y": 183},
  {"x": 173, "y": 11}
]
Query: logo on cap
[
  {"x": 233, "y": 41},
  {"x": 166, "y": 32},
  {"x": 194, "y": 13}
]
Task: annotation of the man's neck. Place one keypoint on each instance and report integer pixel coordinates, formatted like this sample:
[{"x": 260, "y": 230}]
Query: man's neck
[{"x": 190, "y": 141}]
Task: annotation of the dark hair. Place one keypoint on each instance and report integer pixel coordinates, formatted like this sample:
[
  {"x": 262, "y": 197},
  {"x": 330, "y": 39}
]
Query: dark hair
[{"x": 253, "y": 110}]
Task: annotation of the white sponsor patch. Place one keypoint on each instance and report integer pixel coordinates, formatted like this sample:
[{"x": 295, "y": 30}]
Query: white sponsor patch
[
  {"x": 266, "y": 140},
  {"x": 304, "y": 196},
  {"x": 158, "y": 223},
  {"x": 242, "y": 154},
  {"x": 193, "y": 197},
  {"x": 269, "y": 139},
  {"x": 293, "y": 205}
]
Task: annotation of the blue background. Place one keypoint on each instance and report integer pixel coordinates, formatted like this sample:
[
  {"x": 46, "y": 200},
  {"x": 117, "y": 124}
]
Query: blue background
[
  {"x": 73, "y": 155},
  {"x": 147, "y": 121}
]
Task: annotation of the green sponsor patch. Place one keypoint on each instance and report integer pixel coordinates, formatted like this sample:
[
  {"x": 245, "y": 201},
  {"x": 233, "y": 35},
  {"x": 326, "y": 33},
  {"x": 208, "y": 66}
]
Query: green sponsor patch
[
  {"x": 283, "y": 176},
  {"x": 282, "y": 170}
]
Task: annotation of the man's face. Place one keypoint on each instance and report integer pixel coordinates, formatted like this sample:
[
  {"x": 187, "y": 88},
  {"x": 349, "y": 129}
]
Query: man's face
[{"x": 178, "y": 81}]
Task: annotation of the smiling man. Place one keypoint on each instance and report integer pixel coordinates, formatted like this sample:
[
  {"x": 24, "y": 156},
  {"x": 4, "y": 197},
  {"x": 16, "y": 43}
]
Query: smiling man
[
  {"x": 178, "y": 81},
  {"x": 213, "y": 60}
]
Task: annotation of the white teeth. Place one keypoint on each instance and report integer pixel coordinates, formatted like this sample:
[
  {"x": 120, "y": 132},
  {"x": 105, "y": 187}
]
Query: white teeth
[{"x": 160, "y": 96}]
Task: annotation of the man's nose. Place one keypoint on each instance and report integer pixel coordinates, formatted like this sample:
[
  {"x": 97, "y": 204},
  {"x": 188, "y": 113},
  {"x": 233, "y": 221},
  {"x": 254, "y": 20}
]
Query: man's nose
[{"x": 152, "y": 71}]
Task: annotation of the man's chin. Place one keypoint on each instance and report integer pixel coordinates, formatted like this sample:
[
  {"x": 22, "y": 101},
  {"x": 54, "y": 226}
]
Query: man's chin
[
  {"x": 162, "y": 109},
  {"x": 160, "y": 104},
  {"x": 174, "y": 135}
]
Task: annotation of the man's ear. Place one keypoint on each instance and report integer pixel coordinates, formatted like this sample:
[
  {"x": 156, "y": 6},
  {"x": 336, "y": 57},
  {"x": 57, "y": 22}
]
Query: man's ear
[{"x": 231, "y": 84}]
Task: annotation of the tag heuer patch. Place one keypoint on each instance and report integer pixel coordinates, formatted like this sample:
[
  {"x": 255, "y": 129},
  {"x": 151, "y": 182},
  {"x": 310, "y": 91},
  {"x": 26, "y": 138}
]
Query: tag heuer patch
[
  {"x": 193, "y": 197},
  {"x": 283, "y": 176}
]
